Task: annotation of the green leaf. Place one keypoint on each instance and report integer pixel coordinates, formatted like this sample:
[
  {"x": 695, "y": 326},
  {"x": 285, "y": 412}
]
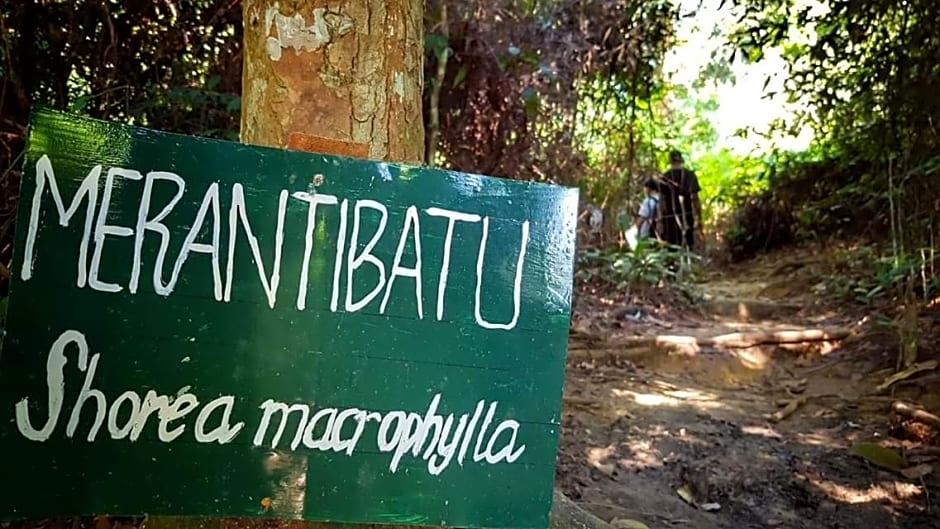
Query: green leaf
[
  {"x": 879, "y": 455},
  {"x": 531, "y": 98},
  {"x": 436, "y": 43},
  {"x": 459, "y": 77},
  {"x": 79, "y": 103},
  {"x": 530, "y": 58}
]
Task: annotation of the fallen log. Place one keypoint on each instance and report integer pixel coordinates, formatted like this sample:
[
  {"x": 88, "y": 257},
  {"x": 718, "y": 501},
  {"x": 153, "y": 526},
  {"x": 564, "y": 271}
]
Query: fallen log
[{"x": 732, "y": 340}]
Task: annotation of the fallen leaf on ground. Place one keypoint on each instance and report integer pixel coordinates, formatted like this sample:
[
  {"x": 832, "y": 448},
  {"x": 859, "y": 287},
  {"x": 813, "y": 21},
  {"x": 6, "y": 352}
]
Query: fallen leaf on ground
[
  {"x": 605, "y": 468},
  {"x": 879, "y": 455},
  {"x": 686, "y": 495},
  {"x": 916, "y": 472},
  {"x": 623, "y": 523}
]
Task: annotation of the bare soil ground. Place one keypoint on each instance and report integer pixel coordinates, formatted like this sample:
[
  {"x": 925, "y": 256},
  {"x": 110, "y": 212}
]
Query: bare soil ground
[{"x": 642, "y": 422}]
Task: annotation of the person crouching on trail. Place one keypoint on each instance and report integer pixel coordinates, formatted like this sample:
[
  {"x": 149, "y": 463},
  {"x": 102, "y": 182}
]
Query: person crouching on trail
[
  {"x": 678, "y": 197},
  {"x": 646, "y": 218}
]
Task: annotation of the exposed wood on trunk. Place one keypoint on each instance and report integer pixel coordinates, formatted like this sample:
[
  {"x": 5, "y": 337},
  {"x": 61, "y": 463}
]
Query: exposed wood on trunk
[{"x": 312, "y": 143}]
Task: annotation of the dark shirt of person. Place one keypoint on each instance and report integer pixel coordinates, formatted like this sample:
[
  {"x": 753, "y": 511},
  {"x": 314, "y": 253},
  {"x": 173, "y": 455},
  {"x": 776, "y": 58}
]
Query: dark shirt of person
[{"x": 676, "y": 190}]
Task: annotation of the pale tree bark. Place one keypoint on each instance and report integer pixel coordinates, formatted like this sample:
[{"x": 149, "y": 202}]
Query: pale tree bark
[{"x": 347, "y": 71}]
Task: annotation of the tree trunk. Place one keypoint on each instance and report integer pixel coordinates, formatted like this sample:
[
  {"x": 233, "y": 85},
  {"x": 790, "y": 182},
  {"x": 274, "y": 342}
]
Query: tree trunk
[
  {"x": 344, "y": 77},
  {"x": 347, "y": 71},
  {"x": 340, "y": 77}
]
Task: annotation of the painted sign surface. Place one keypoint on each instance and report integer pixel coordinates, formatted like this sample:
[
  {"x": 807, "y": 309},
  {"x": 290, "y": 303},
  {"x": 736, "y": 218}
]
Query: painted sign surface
[{"x": 200, "y": 327}]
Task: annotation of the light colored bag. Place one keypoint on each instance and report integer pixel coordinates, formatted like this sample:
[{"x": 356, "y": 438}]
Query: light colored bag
[{"x": 632, "y": 235}]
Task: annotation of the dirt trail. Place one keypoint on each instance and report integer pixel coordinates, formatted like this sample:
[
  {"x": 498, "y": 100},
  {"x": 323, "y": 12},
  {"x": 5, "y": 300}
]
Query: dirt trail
[{"x": 641, "y": 423}]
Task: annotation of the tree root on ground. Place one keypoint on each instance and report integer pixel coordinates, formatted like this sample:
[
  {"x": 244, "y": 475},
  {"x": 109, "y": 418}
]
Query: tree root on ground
[
  {"x": 923, "y": 381},
  {"x": 912, "y": 370},
  {"x": 788, "y": 409},
  {"x": 791, "y": 406},
  {"x": 915, "y": 413},
  {"x": 924, "y": 451}
]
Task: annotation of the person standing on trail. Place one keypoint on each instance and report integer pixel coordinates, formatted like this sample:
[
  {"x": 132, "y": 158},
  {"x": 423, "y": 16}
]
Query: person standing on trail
[
  {"x": 646, "y": 217},
  {"x": 678, "y": 197}
]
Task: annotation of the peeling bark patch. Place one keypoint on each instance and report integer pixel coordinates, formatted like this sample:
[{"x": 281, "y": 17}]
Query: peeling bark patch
[
  {"x": 293, "y": 31},
  {"x": 398, "y": 86},
  {"x": 254, "y": 98}
]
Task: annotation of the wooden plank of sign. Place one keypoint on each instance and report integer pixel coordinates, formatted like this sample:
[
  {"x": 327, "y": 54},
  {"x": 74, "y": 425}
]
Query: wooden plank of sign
[{"x": 204, "y": 328}]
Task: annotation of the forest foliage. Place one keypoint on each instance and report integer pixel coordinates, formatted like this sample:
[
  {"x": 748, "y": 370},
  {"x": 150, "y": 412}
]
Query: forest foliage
[
  {"x": 866, "y": 75},
  {"x": 567, "y": 91},
  {"x": 520, "y": 88}
]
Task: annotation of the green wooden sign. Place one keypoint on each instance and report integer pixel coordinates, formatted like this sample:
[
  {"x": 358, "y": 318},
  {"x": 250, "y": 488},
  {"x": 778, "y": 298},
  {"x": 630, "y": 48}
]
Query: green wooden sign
[{"x": 204, "y": 328}]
